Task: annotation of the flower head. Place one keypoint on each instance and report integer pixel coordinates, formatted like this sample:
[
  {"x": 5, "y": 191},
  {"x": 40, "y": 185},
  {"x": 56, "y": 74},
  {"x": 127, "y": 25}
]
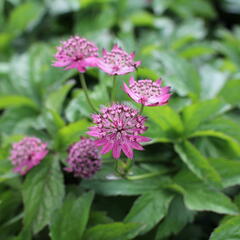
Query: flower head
[
  {"x": 117, "y": 62},
  {"x": 77, "y": 53},
  {"x": 147, "y": 92},
  {"x": 27, "y": 153},
  {"x": 118, "y": 128},
  {"x": 83, "y": 158}
]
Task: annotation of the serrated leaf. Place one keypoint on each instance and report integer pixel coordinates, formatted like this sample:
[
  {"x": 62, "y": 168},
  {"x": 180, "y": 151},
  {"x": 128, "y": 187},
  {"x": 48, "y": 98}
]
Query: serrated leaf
[
  {"x": 229, "y": 230},
  {"x": 180, "y": 74},
  {"x": 55, "y": 99},
  {"x": 43, "y": 192},
  {"x": 71, "y": 133},
  {"x": 197, "y": 163},
  {"x": 69, "y": 222},
  {"x": 201, "y": 197},
  {"x": 111, "y": 231},
  {"x": 178, "y": 216},
  {"x": 230, "y": 92},
  {"x": 24, "y": 16},
  {"x": 197, "y": 113},
  {"x": 229, "y": 170},
  {"x": 223, "y": 128},
  {"x": 148, "y": 210},
  {"x": 113, "y": 186},
  {"x": 167, "y": 120}
]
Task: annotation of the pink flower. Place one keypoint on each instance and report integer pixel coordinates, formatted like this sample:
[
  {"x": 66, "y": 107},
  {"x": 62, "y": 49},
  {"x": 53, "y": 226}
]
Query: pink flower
[
  {"x": 77, "y": 53},
  {"x": 118, "y": 128},
  {"x": 27, "y": 153},
  {"x": 83, "y": 159},
  {"x": 117, "y": 62},
  {"x": 147, "y": 92}
]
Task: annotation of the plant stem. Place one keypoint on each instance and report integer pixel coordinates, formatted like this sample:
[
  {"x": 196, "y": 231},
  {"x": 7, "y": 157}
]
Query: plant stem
[
  {"x": 143, "y": 176},
  {"x": 113, "y": 88},
  {"x": 141, "y": 109},
  {"x": 85, "y": 89}
]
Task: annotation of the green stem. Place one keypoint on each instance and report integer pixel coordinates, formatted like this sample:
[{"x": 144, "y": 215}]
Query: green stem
[
  {"x": 113, "y": 87},
  {"x": 143, "y": 176},
  {"x": 141, "y": 109},
  {"x": 85, "y": 89}
]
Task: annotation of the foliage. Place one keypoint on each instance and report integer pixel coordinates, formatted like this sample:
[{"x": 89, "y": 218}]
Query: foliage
[{"x": 185, "y": 183}]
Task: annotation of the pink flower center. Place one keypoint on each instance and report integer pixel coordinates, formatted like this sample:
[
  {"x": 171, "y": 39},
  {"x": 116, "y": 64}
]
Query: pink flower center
[
  {"x": 119, "y": 121},
  {"x": 118, "y": 58},
  {"x": 146, "y": 88},
  {"x": 76, "y": 49}
]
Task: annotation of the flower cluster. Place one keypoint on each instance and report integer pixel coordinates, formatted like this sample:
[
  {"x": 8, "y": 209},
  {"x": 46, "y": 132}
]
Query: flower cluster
[
  {"x": 117, "y": 62},
  {"x": 117, "y": 127},
  {"x": 77, "y": 53},
  {"x": 83, "y": 159},
  {"x": 27, "y": 153},
  {"x": 147, "y": 92}
]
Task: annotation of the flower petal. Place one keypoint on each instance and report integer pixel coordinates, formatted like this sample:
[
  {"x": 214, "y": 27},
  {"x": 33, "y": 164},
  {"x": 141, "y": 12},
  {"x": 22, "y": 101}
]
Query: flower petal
[
  {"x": 127, "y": 150},
  {"x": 106, "y": 148},
  {"x": 116, "y": 150}
]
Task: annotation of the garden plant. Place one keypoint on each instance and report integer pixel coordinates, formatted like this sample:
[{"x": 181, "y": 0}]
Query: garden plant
[{"x": 119, "y": 120}]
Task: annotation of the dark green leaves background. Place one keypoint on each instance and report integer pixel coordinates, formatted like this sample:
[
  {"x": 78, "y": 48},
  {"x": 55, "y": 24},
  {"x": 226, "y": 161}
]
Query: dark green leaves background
[{"x": 185, "y": 185}]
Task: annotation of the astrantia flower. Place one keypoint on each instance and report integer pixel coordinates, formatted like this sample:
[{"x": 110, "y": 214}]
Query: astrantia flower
[
  {"x": 83, "y": 158},
  {"x": 147, "y": 92},
  {"x": 118, "y": 128},
  {"x": 27, "y": 153},
  {"x": 117, "y": 62},
  {"x": 77, "y": 53}
]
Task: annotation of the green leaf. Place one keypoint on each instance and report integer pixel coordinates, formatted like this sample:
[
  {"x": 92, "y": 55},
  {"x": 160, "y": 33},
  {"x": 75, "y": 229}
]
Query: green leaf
[
  {"x": 196, "y": 114},
  {"x": 201, "y": 197},
  {"x": 55, "y": 99},
  {"x": 33, "y": 75},
  {"x": 16, "y": 101},
  {"x": 167, "y": 120},
  {"x": 146, "y": 73},
  {"x": 178, "y": 216},
  {"x": 52, "y": 121},
  {"x": 148, "y": 210},
  {"x": 223, "y": 128},
  {"x": 18, "y": 120},
  {"x": 111, "y": 231},
  {"x": 197, "y": 163},
  {"x": 113, "y": 186},
  {"x": 43, "y": 192},
  {"x": 71, "y": 133},
  {"x": 180, "y": 74},
  {"x": 99, "y": 217},
  {"x": 24, "y": 16},
  {"x": 229, "y": 230},
  {"x": 90, "y": 24},
  {"x": 213, "y": 81},
  {"x": 230, "y": 92},
  {"x": 197, "y": 50},
  {"x": 229, "y": 170},
  {"x": 69, "y": 221},
  {"x": 142, "y": 18}
]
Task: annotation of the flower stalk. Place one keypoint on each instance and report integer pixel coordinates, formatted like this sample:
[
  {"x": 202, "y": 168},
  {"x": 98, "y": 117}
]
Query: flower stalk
[
  {"x": 85, "y": 90},
  {"x": 113, "y": 88}
]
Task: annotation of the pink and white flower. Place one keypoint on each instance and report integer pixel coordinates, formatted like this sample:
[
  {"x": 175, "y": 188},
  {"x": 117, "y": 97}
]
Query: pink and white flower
[
  {"x": 147, "y": 92},
  {"x": 76, "y": 52},
  {"x": 27, "y": 153},
  {"x": 118, "y": 128},
  {"x": 83, "y": 159},
  {"x": 117, "y": 61}
]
